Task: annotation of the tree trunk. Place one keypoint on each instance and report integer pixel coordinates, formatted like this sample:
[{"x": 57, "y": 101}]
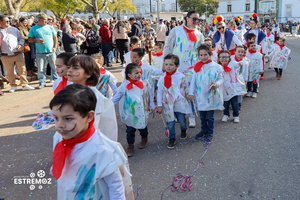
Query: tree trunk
[{"x": 13, "y": 8}]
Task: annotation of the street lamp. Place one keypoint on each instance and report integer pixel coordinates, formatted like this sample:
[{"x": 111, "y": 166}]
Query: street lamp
[
  {"x": 206, "y": 10},
  {"x": 158, "y": 11}
]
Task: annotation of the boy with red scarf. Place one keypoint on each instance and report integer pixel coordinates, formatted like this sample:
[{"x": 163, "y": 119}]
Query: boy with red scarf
[{"x": 85, "y": 162}]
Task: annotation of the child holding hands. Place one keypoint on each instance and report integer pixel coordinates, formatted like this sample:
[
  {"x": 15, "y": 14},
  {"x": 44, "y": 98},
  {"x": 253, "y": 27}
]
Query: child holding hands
[
  {"x": 171, "y": 98},
  {"x": 206, "y": 90}
]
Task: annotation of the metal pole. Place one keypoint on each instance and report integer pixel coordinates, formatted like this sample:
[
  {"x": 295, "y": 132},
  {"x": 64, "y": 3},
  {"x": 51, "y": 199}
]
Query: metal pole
[{"x": 158, "y": 17}]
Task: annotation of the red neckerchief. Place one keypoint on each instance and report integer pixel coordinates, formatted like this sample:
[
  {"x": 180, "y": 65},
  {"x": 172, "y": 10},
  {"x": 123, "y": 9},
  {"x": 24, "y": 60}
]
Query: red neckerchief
[
  {"x": 140, "y": 64},
  {"x": 102, "y": 70},
  {"x": 168, "y": 79},
  {"x": 198, "y": 66},
  {"x": 226, "y": 68},
  {"x": 64, "y": 148},
  {"x": 269, "y": 34},
  {"x": 157, "y": 54},
  {"x": 251, "y": 51},
  {"x": 191, "y": 34},
  {"x": 61, "y": 85},
  {"x": 281, "y": 46},
  {"x": 237, "y": 60},
  {"x": 138, "y": 84},
  {"x": 234, "y": 29},
  {"x": 130, "y": 49}
]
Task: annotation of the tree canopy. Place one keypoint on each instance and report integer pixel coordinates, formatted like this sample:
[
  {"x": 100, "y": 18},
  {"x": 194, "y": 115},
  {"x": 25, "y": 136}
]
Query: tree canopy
[{"x": 199, "y": 6}]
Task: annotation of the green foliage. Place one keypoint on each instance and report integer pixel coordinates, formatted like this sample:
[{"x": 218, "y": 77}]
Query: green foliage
[
  {"x": 199, "y": 6},
  {"x": 120, "y": 6}
]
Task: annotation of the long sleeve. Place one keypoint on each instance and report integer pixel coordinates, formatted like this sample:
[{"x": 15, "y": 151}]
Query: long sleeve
[
  {"x": 192, "y": 85},
  {"x": 170, "y": 42},
  {"x": 117, "y": 97},
  {"x": 220, "y": 80},
  {"x": 159, "y": 96},
  {"x": 115, "y": 185},
  {"x": 113, "y": 87},
  {"x": 236, "y": 40}
]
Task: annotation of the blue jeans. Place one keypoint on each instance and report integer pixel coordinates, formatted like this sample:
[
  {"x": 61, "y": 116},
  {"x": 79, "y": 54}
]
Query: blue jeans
[
  {"x": 182, "y": 122},
  {"x": 235, "y": 106},
  {"x": 249, "y": 87},
  {"x": 42, "y": 59},
  {"x": 207, "y": 123},
  {"x": 107, "y": 52},
  {"x": 131, "y": 133}
]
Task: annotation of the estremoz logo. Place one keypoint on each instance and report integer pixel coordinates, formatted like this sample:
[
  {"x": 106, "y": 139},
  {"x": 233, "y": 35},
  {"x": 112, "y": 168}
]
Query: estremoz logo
[{"x": 33, "y": 179}]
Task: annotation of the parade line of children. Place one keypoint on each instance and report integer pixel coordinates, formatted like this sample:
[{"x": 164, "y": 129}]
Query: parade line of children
[{"x": 85, "y": 144}]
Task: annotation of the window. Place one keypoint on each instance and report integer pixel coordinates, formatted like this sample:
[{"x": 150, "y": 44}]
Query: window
[
  {"x": 154, "y": 8},
  {"x": 247, "y": 7},
  {"x": 228, "y": 8},
  {"x": 173, "y": 7},
  {"x": 288, "y": 10},
  {"x": 163, "y": 8}
]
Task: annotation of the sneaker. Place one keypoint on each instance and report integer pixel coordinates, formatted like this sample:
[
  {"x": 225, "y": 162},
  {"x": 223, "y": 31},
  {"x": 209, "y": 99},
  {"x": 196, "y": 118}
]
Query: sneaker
[
  {"x": 249, "y": 94},
  {"x": 183, "y": 134},
  {"x": 236, "y": 119},
  {"x": 41, "y": 86},
  {"x": 171, "y": 144},
  {"x": 207, "y": 139},
  {"x": 225, "y": 118},
  {"x": 192, "y": 122},
  {"x": 1, "y": 93},
  {"x": 199, "y": 136},
  {"x": 27, "y": 87},
  {"x": 130, "y": 150},
  {"x": 254, "y": 95},
  {"x": 123, "y": 65},
  {"x": 12, "y": 89},
  {"x": 143, "y": 143}
]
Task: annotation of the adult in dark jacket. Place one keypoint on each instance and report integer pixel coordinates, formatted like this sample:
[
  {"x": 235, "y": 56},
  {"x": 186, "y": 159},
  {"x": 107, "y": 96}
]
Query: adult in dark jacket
[
  {"x": 136, "y": 27},
  {"x": 69, "y": 41}
]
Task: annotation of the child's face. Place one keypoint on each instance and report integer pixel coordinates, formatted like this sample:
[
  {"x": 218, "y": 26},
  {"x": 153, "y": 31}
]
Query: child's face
[
  {"x": 252, "y": 47},
  {"x": 136, "y": 45},
  {"x": 157, "y": 49},
  {"x": 76, "y": 74},
  {"x": 252, "y": 39},
  {"x": 281, "y": 42},
  {"x": 70, "y": 124},
  {"x": 135, "y": 74},
  {"x": 169, "y": 65},
  {"x": 61, "y": 68},
  {"x": 135, "y": 58},
  {"x": 204, "y": 56},
  {"x": 239, "y": 52},
  {"x": 224, "y": 58},
  {"x": 100, "y": 64}
]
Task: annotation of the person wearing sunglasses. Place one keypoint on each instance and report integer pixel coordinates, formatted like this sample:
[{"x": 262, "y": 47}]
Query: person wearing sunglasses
[
  {"x": 224, "y": 38},
  {"x": 183, "y": 41}
]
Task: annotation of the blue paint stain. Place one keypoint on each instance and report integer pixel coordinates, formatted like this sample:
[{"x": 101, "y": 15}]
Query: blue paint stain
[
  {"x": 86, "y": 186},
  {"x": 180, "y": 47}
]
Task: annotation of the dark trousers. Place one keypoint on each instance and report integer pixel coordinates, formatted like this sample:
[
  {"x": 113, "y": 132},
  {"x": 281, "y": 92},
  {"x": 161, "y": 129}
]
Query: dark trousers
[
  {"x": 235, "y": 106},
  {"x": 207, "y": 123},
  {"x": 278, "y": 71},
  {"x": 30, "y": 62},
  {"x": 92, "y": 50},
  {"x": 249, "y": 87},
  {"x": 107, "y": 52},
  {"x": 123, "y": 48},
  {"x": 131, "y": 133}
]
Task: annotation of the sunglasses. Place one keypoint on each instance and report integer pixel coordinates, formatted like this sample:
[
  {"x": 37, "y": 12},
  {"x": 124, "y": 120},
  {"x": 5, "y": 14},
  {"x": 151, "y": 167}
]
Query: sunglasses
[
  {"x": 195, "y": 19},
  {"x": 221, "y": 28}
]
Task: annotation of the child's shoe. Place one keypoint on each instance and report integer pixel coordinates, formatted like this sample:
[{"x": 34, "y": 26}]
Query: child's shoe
[
  {"x": 279, "y": 77},
  {"x": 192, "y": 122},
  {"x": 225, "y": 118},
  {"x": 143, "y": 143},
  {"x": 183, "y": 134},
  {"x": 249, "y": 94},
  {"x": 236, "y": 119},
  {"x": 199, "y": 136},
  {"x": 254, "y": 95},
  {"x": 130, "y": 150},
  {"x": 171, "y": 143}
]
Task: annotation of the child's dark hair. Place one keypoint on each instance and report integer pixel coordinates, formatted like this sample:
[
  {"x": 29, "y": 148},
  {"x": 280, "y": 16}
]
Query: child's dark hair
[
  {"x": 99, "y": 57},
  {"x": 160, "y": 45},
  {"x": 129, "y": 68},
  {"x": 134, "y": 40},
  {"x": 79, "y": 96},
  {"x": 207, "y": 40},
  {"x": 281, "y": 38},
  {"x": 250, "y": 36},
  {"x": 242, "y": 47},
  {"x": 90, "y": 67},
  {"x": 173, "y": 57},
  {"x": 206, "y": 48},
  {"x": 249, "y": 43},
  {"x": 139, "y": 51},
  {"x": 65, "y": 57},
  {"x": 223, "y": 51},
  {"x": 190, "y": 13}
]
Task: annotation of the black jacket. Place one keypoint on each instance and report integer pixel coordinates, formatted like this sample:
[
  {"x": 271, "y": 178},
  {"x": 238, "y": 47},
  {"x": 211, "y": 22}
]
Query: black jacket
[
  {"x": 136, "y": 29},
  {"x": 70, "y": 43}
]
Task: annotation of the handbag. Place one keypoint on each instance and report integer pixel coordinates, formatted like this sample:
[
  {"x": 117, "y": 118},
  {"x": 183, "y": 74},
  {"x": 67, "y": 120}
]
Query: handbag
[{"x": 26, "y": 48}]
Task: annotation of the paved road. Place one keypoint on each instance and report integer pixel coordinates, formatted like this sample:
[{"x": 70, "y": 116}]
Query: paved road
[{"x": 255, "y": 159}]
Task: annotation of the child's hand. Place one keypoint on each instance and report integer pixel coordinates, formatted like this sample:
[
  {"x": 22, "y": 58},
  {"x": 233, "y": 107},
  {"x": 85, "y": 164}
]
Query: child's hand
[
  {"x": 241, "y": 64},
  {"x": 159, "y": 109},
  {"x": 191, "y": 97},
  {"x": 214, "y": 86},
  {"x": 260, "y": 73}
]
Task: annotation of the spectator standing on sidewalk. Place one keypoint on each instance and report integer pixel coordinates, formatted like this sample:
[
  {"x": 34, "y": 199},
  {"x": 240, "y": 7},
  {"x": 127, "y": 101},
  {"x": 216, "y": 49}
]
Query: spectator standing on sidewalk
[
  {"x": 45, "y": 38},
  {"x": 11, "y": 45},
  {"x": 106, "y": 36}
]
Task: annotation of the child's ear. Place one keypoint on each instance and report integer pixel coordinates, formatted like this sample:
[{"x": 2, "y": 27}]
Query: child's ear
[{"x": 90, "y": 115}]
